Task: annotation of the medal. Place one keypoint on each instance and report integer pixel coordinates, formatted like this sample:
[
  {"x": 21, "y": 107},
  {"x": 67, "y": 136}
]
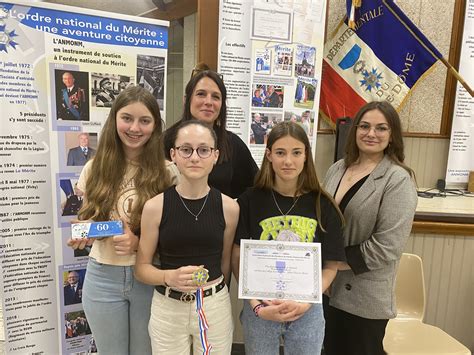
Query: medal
[{"x": 200, "y": 276}]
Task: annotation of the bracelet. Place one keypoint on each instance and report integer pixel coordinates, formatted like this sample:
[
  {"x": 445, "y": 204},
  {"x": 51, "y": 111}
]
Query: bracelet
[{"x": 256, "y": 309}]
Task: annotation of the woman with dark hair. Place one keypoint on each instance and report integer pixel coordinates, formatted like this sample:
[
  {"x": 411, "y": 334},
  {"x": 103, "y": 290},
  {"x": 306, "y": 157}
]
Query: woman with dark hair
[
  {"x": 376, "y": 192},
  {"x": 191, "y": 228},
  {"x": 205, "y": 100},
  {"x": 128, "y": 169},
  {"x": 287, "y": 203}
]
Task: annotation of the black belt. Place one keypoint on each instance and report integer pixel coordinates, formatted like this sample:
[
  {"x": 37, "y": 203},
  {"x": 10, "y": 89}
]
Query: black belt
[{"x": 189, "y": 297}]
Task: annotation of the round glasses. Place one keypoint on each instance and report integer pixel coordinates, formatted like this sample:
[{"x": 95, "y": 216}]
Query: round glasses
[
  {"x": 186, "y": 151},
  {"x": 380, "y": 129}
]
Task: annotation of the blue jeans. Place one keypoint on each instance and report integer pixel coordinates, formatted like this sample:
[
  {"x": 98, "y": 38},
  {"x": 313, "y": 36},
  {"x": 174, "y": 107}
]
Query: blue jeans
[
  {"x": 302, "y": 337},
  {"x": 117, "y": 307}
]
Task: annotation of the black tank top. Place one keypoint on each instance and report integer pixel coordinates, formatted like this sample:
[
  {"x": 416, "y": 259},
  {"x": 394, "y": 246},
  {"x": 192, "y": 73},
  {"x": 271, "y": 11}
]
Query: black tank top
[{"x": 183, "y": 240}]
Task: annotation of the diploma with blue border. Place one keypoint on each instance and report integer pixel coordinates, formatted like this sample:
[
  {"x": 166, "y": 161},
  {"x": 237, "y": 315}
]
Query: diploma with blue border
[{"x": 280, "y": 270}]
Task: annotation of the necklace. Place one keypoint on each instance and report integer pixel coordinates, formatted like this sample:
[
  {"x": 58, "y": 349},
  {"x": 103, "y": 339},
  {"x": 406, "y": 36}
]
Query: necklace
[
  {"x": 353, "y": 174},
  {"x": 278, "y": 206},
  {"x": 187, "y": 209}
]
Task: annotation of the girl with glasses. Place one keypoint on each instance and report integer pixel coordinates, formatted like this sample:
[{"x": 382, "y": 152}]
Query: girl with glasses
[
  {"x": 190, "y": 228},
  {"x": 376, "y": 192},
  {"x": 288, "y": 204},
  {"x": 128, "y": 169},
  {"x": 205, "y": 100}
]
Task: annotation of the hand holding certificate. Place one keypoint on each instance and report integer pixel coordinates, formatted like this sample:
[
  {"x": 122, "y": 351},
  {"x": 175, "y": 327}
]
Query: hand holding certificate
[{"x": 280, "y": 270}]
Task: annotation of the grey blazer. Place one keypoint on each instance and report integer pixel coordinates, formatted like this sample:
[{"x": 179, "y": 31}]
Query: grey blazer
[{"x": 378, "y": 222}]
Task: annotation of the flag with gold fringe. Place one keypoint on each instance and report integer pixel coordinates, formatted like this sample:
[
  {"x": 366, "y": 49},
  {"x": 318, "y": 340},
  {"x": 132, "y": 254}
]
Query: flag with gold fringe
[{"x": 376, "y": 53}]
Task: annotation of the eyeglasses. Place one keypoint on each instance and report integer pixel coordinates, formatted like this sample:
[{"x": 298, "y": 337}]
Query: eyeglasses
[
  {"x": 380, "y": 129},
  {"x": 197, "y": 71},
  {"x": 186, "y": 151}
]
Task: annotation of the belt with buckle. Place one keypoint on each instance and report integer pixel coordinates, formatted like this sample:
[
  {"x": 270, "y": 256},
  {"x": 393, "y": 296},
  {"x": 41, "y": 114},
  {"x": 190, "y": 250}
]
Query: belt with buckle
[{"x": 189, "y": 297}]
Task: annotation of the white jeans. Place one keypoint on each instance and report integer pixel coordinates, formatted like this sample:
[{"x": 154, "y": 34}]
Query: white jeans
[{"x": 174, "y": 326}]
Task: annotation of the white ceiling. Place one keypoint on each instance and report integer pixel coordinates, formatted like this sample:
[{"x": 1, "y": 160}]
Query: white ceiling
[{"x": 130, "y": 7}]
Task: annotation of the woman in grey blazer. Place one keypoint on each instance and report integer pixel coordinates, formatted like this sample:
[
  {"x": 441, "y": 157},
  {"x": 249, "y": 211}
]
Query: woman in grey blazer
[{"x": 376, "y": 192}]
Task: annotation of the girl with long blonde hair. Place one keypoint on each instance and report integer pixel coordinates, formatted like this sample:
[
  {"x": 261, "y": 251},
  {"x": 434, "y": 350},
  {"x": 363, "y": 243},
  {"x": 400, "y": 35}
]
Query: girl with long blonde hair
[{"x": 128, "y": 169}]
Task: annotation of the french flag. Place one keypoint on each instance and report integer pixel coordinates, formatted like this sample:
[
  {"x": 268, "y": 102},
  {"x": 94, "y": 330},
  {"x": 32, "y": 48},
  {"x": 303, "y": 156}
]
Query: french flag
[{"x": 381, "y": 58}]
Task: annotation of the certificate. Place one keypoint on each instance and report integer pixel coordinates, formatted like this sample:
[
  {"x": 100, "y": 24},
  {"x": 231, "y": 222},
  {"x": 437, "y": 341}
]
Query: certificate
[
  {"x": 280, "y": 270},
  {"x": 271, "y": 25}
]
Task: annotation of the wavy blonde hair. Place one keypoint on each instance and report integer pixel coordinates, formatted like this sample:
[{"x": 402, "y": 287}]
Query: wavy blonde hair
[{"x": 109, "y": 165}]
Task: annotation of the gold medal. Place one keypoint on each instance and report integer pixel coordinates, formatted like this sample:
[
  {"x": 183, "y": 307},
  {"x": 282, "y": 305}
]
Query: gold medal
[{"x": 200, "y": 276}]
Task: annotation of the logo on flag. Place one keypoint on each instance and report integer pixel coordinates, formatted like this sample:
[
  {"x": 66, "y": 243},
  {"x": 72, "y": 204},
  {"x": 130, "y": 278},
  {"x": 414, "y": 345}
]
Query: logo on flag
[{"x": 382, "y": 58}]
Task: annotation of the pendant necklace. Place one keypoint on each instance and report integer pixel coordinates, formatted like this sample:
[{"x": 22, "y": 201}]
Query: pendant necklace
[
  {"x": 353, "y": 175},
  {"x": 278, "y": 206},
  {"x": 187, "y": 209}
]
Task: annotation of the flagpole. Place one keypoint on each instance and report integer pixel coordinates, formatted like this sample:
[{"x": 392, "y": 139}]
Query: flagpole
[
  {"x": 451, "y": 69},
  {"x": 457, "y": 76}
]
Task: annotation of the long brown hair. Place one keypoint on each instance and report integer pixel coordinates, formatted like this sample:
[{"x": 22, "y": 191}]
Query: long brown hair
[
  {"x": 109, "y": 165},
  {"x": 223, "y": 141},
  {"x": 394, "y": 150},
  {"x": 307, "y": 180}
]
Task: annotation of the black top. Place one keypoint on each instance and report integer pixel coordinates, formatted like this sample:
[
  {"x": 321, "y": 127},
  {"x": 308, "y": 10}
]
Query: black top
[
  {"x": 231, "y": 177},
  {"x": 350, "y": 193},
  {"x": 353, "y": 252},
  {"x": 237, "y": 174},
  {"x": 183, "y": 240},
  {"x": 261, "y": 219}
]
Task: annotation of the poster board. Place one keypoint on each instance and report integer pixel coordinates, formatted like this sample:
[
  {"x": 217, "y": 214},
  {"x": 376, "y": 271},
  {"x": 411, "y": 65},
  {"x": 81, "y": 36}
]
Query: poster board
[
  {"x": 270, "y": 55},
  {"x": 461, "y": 145},
  {"x": 44, "y": 50}
]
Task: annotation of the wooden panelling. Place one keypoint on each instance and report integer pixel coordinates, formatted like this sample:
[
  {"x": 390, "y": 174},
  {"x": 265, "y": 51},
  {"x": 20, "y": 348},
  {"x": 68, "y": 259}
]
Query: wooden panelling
[
  {"x": 448, "y": 266},
  {"x": 208, "y": 31},
  {"x": 428, "y": 158},
  {"x": 443, "y": 228}
]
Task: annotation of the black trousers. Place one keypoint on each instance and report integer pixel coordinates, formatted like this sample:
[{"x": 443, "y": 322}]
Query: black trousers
[{"x": 348, "y": 334}]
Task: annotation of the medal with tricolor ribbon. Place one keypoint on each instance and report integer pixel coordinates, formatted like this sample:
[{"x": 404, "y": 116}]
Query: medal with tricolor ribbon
[{"x": 200, "y": 277}]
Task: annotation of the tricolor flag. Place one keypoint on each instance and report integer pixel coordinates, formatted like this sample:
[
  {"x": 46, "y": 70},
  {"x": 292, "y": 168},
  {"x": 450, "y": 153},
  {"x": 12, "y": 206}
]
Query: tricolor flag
[
  {"x": 382, "y": 58},
  {"x": 147, "y": 81}
]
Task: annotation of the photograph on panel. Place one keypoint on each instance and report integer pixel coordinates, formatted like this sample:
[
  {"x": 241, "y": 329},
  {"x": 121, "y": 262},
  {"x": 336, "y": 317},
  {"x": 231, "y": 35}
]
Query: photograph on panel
[
  {"x": 72, "y": 95},
  {"x": 80, "y": 147},
  {"x": 106, "y": 87},
  {"x": 151, "y": 76}
]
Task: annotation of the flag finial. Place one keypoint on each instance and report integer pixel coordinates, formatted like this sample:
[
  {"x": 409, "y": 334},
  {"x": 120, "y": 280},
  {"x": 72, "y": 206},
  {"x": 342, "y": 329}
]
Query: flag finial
[{"x": 355, "y": 4}]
